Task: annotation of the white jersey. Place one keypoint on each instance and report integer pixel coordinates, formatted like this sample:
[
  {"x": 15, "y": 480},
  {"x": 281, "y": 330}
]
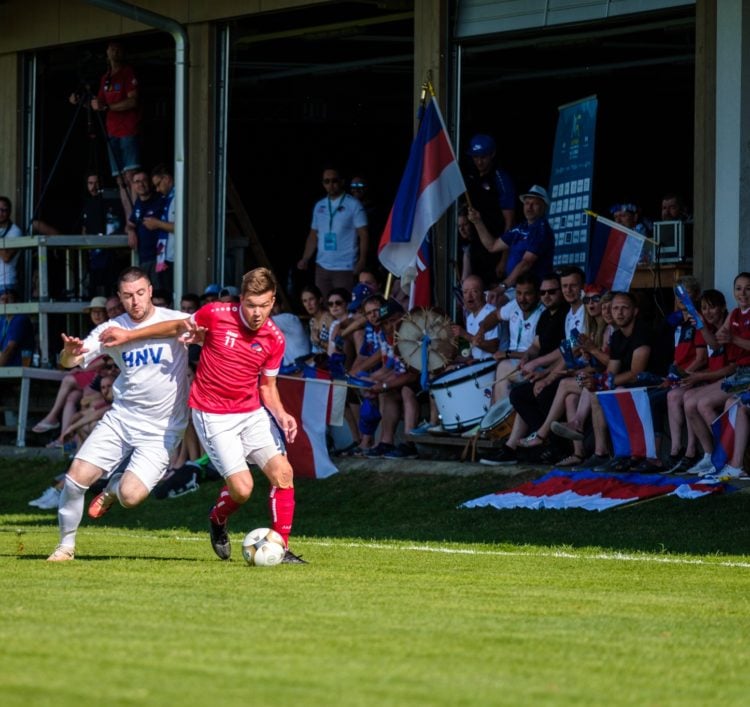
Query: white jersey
[
  {"x": 472, "y": 327},
  {"x": 575, "y": 320},
  {"x": 151, "y": 391},
  {"x": 522, "y": 328}
]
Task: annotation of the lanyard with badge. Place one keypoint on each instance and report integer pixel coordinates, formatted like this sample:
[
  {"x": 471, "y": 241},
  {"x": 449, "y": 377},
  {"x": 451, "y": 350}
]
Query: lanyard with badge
[{"x": 329, "y": 239}]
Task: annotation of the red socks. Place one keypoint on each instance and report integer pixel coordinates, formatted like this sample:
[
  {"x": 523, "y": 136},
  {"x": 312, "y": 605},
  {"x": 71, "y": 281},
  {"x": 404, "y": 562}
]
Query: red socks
[
  {"x": 281, "y": 505},
  {"x": 223, "y": 508}
]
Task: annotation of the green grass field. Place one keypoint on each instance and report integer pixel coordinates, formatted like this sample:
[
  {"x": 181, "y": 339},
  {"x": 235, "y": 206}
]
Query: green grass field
[{"x": 406, "y": 600}]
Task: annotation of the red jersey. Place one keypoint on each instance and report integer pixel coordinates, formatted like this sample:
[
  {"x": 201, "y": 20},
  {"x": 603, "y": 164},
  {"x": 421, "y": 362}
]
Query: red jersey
[
  {"x": 739, "y": 326},
  {"x": 233, "y": 358},
  {"x": 113, "y": 88},
  {"x": 717, "y": 358}
]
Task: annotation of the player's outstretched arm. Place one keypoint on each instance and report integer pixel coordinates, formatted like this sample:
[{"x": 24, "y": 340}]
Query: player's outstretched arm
[
  {"x": 72, "y": 353},
  {"x": 269, "y": 396},
  {"x": 117, "y": 336}
]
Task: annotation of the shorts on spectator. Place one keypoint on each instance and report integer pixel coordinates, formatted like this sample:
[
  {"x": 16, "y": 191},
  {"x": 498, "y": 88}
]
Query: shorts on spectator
[{"x": 124, "y": 154}]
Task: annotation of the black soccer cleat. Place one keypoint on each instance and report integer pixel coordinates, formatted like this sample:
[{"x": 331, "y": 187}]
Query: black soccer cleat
[
  {"x": 291, "y": 559},
  {"x": 220, "y": 541}
]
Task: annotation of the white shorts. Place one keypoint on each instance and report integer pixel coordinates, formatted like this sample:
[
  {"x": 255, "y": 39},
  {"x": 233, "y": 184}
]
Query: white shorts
[
  {"x": 112, "y": 441},
  {"x": 231, "y": 439}
]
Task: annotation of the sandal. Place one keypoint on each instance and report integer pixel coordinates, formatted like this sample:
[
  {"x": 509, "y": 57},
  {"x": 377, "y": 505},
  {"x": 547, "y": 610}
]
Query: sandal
[
  {"x": 563, "y": 430},
  {"x": 533, "y": 440},
  {"x": 570, "y": 460}
]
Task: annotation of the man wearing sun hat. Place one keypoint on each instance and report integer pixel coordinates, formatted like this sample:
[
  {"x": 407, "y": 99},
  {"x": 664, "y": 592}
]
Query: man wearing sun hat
[{"x": 530, "y": 245}]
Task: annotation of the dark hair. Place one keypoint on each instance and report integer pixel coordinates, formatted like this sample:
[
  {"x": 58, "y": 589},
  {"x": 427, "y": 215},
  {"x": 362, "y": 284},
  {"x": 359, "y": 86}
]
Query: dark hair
[
  {"x": 132, "y": 274},
  {"x": 714, "y": 298},
  {"x": 528, "y": 278},
  {"x": 341, "y": 292},
  {"x": 161, "y": 293},
  {"x": 376, "y": 298},
  {"x": 569, "y": 270},
  {"x": 161, "y": 170},
  {"x": 191, "y": 297},
  {"x": 551, "y": 276},
  {"x": 7, "y": 202},
  {"x": 313, "y": 290},
  {"x": 746, "y": 275},
  {"x": 629, "y": 295}
]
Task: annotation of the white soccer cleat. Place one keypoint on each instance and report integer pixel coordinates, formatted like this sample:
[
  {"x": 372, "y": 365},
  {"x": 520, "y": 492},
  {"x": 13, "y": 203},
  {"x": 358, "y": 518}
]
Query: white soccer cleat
[{"x": 62, "y": 553}]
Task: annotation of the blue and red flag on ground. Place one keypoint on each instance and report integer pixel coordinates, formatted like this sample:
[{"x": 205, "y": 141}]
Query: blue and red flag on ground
[
  {"x": 628, "y": 416},
  {"x": 614, "y": 254},
  {"x": 723, "y": 431},
  {"x": 431, "y": 183},
  {"x": 591, "y": 491}
]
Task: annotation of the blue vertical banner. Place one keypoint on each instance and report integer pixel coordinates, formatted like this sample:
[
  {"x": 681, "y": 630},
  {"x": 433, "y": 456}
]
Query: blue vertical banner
[{"x": 572, "y": 181}]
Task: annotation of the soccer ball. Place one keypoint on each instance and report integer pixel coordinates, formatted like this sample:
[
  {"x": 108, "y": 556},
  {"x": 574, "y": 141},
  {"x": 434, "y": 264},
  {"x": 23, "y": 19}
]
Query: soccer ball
[{"x": 263, "y": 547}]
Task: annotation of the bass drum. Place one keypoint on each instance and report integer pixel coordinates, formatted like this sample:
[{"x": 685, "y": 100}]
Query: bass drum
[
  {"x": 425, "y": 335},
  {"x": 463, "y": 396},
  {"x": 498, "y": 422}
]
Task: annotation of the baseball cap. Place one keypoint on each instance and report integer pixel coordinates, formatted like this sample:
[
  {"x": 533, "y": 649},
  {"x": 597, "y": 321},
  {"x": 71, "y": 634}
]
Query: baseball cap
[
  {"x": 481, "y": 145},
  {"x": 229, "y": 291},
  {"x": 359, "y": 294},
  {"x": 538, "y": 192},
  {"x": 212, "y": 289}
]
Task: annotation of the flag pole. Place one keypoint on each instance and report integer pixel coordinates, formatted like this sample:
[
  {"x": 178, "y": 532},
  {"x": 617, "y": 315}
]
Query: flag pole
[
  {"x": 426, "y": 86},
  {"x": 619, "y": 227}
]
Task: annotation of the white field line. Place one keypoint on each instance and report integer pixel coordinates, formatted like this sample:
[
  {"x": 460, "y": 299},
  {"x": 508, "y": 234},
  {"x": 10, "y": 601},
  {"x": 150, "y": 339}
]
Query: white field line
[{"x": 553, "y": 554}]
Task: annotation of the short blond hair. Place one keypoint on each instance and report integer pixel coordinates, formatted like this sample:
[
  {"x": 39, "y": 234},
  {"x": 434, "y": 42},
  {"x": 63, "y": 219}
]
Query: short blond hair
[{"x": 258, "y": 282}]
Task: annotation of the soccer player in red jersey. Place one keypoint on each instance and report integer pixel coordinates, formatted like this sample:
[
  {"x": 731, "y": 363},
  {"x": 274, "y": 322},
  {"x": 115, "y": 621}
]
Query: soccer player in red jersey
[{"x": 237, "y": 411}]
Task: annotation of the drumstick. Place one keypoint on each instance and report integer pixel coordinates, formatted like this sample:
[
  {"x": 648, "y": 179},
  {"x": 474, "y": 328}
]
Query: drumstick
[{"x": 324, "y": 381}]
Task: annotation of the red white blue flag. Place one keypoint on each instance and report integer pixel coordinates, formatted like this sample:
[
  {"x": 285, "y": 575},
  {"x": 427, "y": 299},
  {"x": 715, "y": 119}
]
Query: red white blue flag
[
  {"x": 613, "y": 255},
  {"x": 305, "y": 400},
  {"x": 420, "y": 294},
  {"x": 591, "y": 491},
  {"x": 431, "y": 183},
  {"x": 723, "y": 431},
  {"x": 628, "y": 416}
]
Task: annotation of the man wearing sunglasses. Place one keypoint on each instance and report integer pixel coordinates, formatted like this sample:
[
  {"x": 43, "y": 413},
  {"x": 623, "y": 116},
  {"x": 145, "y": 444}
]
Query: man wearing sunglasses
[{"x": 338, "y": 236}]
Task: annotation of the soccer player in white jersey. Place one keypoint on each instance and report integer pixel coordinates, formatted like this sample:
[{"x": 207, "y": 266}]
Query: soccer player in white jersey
[
  {"x": 235, "y": 402},
  {"x": 148, "y": 416}
]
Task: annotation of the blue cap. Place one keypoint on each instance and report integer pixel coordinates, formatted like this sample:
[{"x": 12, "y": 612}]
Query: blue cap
[
  {"x": 481, "y": 146},
  {"x": 212, "y": 289},
  {"x": 359, "y": 294}
]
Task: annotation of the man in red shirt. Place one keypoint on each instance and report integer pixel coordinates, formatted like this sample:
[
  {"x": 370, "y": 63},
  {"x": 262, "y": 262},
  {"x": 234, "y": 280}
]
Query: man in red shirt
[
  {"x": 118, "y": 98},
  {"x": 237, "y": 411}
]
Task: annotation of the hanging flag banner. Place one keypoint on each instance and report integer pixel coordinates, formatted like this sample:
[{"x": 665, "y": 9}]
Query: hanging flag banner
[
  {"x": 431, "y": 183},
  {"x": 613, "y": 255},
  {"x": 572, "y": 179}
]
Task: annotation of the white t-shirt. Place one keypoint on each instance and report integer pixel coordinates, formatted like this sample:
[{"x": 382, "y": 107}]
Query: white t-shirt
[
  {"x": 297, "y": 340},
  {"x": 472, "y": 327},
  {"x": 8, "y": 277},
  {"x": 151, "y": 392},
  {"x": 575, "y": 320},
  {"x": 522, "y": 328},
  {"x": 336, "y": 222}
]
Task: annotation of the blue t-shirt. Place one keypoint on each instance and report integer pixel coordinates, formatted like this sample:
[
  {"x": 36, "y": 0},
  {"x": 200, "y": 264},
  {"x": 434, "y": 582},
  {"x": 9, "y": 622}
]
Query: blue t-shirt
[
  {"x": 19, "y": 329},
  {"x": 147, "y": 240},
  {"x": 536, "y": 238}
]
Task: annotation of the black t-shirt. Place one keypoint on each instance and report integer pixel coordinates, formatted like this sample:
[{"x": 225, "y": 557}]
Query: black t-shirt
[
  {"x": 622, "y": 347},
  {"x": 551, "y": 329},
  {"x": 94, "y": 216}
]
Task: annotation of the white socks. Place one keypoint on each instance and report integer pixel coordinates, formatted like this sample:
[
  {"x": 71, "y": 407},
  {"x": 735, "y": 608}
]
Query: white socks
[{"x": 70, "y": 511}]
